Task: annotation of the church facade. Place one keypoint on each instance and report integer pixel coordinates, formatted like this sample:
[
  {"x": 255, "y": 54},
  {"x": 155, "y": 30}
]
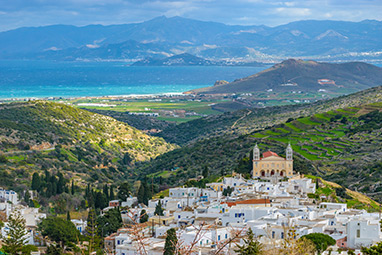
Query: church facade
[{"x": 271, "y": 164}]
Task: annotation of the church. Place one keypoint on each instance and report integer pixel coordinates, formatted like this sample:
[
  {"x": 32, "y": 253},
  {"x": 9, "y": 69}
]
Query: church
[{"x": 271, "y": 164}]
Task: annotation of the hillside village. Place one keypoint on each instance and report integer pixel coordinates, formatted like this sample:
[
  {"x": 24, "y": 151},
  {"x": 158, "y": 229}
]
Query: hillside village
[{"x": 213, "y": 220}]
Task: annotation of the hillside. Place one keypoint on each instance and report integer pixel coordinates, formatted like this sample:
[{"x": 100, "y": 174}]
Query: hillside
[
  {"x": 39, "y": 135},
  {"x": 246, "y": 121},
  {"x": 339, "y": 143},
  {"x": 163, "y": 37},
  {"x": 306, "y": 76}
]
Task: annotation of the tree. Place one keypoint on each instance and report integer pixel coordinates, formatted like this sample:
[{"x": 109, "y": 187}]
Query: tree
[
  {"x": 27, "y": 197},
  {"x": 144, "y": 193},
  {"x": 126, "y": 159},
  {"x": 68, "y": 216},
  {"x": 227, "y": 191},
  {"x": 100, "y": 200},
  {"x": 110, "y": 222},
  {"x": 60, "y": 183},
  {"x": 3, "y": 159},
  {"x": 144, "y": 216},
  {"x": 92, "y": 231},
  {"x": 72, "y": 188},
  {"x": 16, "y": 236},
  {"x": 158, "y": 209},
  {"x": 171, "y": 242},
  {"x": 251, "y": 246},
  {"x": 36, "y": 182},
  {"x": 123, "y": 191},
  {"x": 106, "y": 192},
  {"x": 27, "y": 249},
  {"x": 54, "y": 250},
  {"x": 111, "y": 195},
  {"x": 373, "y": 250},
  {"x": 59, "y": 230},
  {"x": 321, "y": 241},
  {"x": 205, "y": 173}
]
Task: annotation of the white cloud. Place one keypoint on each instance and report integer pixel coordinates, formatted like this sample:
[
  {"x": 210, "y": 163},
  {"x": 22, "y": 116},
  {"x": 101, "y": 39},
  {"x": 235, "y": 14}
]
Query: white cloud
[{"x": 293, "y": 12}]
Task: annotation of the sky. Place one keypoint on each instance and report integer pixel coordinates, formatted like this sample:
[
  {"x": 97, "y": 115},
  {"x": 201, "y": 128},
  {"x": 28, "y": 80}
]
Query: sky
[{"x": 21, "y": 13}]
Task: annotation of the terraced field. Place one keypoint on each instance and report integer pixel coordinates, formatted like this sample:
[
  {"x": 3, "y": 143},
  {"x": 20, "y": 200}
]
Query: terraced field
[
  {"x": 344, "y": 145},
  {"x": 322, "y": 136}
]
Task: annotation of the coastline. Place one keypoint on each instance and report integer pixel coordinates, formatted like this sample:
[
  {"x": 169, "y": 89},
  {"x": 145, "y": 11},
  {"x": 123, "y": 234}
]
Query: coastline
[{"x": 139, "y": 96}]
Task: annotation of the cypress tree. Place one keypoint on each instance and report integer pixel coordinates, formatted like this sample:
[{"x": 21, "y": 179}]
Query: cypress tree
[
  {"x": 68, "y": 216},
  {"x": 171, "y": 242},
  {"x": 60, "y": 183},
  {"x": 27, "y": 197},
  {"x": 147, "y": 193},
  {"x": 144, "y": 216},
  {"x": 72, "y": 188},
  {"x": 112, "y": 196},
  {"x": 47, "y": 176},
  {"x": 106, "y": 191},
  {"x": 158, "y": 209},
  {"x": 205, "y": 172},
  {"x": 36, "y": 183},
  {"x": 141, "y": 194}
]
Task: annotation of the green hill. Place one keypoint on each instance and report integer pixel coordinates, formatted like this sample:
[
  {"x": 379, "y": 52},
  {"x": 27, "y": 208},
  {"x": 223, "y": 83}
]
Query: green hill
[
  {"x": 39, "y": 135},
  {"x": 339, "y": 140},
  {"x": 306, "y": 76},
  {"x": 249, "y": 120}
]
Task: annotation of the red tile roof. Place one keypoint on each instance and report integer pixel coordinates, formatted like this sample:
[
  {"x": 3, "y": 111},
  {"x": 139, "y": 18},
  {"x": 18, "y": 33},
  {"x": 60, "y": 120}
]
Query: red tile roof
[
  {"x": 269, "y": 153},
  {"x": 248, "y": 202}
]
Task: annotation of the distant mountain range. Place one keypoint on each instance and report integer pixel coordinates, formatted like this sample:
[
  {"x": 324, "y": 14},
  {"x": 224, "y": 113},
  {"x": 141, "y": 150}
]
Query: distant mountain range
[
  {"x": 164, "y": 37},
  {"x": 307, "y": 76}
]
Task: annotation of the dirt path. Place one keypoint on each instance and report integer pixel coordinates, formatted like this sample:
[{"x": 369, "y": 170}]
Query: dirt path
[{"x": 245, "y": 115}]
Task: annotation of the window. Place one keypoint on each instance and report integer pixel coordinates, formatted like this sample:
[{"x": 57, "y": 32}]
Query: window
[
  {"x": 118, "y": 242},
  {"x": 282, "y": 235},
  {"x": 178, "y": 216},
  {"x": 201, "y": 242},
  {"x": 273, "y": 234},
  {"x": 226, "y": 236},
  {"x": 218, "y": 237},
  {"x": 358, "y": 233}
]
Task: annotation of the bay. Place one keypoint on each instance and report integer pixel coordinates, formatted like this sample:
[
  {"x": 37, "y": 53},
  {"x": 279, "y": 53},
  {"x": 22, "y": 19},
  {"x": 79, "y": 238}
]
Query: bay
[{"x": 41, "y": 79}]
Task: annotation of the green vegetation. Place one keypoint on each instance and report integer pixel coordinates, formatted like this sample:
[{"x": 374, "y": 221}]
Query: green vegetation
[
  {"x": 321, "y": 241},
  {"x": 251, "y": 246},
  {"x": 171, "y": 242},
  {"x": 16, "y": 241},
  {"x": 166, "y": 107},
  {"x": 373, "y": 250},
  {"x": 330, "y": 143},
  {"x": 59, "y": 145},
  {"x": 246, "y": 121},
  {"x": 59, "y": 230}
]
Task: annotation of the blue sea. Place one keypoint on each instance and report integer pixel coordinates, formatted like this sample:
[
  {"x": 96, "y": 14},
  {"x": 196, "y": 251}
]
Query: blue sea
[{"x": 41, "y": 79}]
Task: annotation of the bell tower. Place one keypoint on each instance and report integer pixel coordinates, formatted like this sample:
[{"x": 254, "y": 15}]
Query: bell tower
[
  {"x": 256, "y": 153},
  {"x": 289, "y": 152}
]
